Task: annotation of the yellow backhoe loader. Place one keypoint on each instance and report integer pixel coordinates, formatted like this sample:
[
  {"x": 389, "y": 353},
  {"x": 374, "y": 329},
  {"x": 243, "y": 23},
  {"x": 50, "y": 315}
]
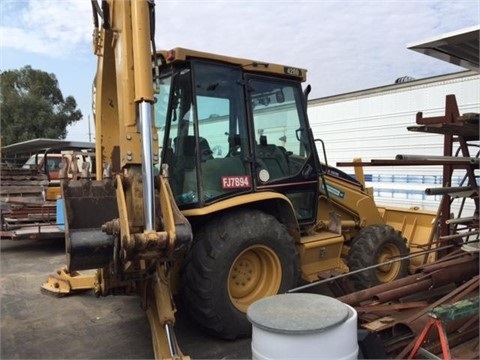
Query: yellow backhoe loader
[{"x": 209, "y": 185}]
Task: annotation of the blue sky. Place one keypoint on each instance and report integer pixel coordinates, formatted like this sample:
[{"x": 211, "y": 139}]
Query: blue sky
[{"x": 346, "y": 45}]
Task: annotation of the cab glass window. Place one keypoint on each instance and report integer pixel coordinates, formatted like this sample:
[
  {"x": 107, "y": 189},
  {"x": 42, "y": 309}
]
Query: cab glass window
[
  {"x": 204, "y": 126},
  {"x": 280, "y": 136}
]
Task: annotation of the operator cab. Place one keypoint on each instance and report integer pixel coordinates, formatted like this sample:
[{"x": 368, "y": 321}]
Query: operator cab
[{"x": 228, "y": 131}]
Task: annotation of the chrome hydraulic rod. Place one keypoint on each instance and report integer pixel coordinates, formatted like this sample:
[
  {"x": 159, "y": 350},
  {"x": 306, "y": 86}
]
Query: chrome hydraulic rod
[
  {"x": 172, "y": 344},
  {"x": 145, "y": 114}
]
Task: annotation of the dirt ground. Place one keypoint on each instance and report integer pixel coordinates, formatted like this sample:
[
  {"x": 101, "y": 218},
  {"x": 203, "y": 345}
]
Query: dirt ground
[{"x": 38, "y": 326}]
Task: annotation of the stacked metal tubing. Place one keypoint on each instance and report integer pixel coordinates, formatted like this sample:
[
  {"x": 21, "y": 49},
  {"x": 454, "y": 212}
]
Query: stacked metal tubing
[
  {"x": 458, "y": 331},
  {"x": 459, "y": 270}
]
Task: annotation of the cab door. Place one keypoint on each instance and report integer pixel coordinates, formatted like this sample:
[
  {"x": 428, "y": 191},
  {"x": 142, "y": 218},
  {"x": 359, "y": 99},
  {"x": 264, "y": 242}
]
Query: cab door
[{"x": 281, "y": 143}]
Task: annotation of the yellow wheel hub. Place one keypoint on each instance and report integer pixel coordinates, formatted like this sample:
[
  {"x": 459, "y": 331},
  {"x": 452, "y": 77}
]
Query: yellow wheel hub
[
  {"x": 255, "y": 274},
  {"x": 387, "y": 273}
]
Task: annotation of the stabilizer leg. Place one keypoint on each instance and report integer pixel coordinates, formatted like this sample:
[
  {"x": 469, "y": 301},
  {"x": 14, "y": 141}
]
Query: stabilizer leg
[{"x": 65, "y": 283}]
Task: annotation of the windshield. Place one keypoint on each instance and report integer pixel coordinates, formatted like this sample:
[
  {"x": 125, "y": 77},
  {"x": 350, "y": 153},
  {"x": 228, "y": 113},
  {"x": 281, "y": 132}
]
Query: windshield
[
  {"x": 33, "y": 161},
  {"x": 50, "y": 167},
  {"x": 204, "y": 130}
]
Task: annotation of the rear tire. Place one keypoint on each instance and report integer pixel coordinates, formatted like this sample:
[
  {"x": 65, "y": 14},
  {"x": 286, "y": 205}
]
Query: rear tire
[
  {"x": 374, "y": 245},
  {"x": 237, "y": 259}
]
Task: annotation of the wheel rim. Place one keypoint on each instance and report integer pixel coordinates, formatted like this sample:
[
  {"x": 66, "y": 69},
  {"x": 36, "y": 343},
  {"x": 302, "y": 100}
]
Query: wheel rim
[
  {"x": 255, "y": 274},
  {"x": 389, "y": 272}
]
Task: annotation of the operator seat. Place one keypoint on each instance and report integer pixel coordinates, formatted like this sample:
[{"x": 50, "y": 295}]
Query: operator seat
[
  {"x": 184, "y": 162},
  {"x": 274, "y": 158},
  {"x": 185, "y": 152},
  {"x": 205, "y": 152}
]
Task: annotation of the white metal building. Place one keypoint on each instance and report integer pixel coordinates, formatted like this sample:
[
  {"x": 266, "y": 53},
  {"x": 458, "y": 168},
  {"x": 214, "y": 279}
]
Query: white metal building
[{"x": 372, "y": 124}]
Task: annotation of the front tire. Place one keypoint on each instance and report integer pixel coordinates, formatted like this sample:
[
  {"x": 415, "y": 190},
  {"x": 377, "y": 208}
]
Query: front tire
[
  {"x": 237, "y": 259},
  {"x": 374, "y": 245}
]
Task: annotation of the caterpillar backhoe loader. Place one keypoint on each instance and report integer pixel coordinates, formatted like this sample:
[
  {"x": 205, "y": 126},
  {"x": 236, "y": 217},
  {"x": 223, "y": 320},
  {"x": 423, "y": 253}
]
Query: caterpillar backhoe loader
[{"x": 209, "y": 186}]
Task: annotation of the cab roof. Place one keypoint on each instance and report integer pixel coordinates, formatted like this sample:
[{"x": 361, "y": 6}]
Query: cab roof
[{"x": 182, "y": 54}]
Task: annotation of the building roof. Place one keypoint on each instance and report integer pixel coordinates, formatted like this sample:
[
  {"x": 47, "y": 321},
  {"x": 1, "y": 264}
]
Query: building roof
[
  {"x": 465, "y": 75},
  {"x": 460, "y": 47},
  {"x": 43, "y": 144}
]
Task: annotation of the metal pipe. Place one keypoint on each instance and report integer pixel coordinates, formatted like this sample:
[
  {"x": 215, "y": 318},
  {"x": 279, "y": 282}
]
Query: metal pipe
[
  {"x": 367, "y": 294},
  {"x": 439, "y": 265},
  {"x": 459, "y": 236},
  {"x": 412, "y": 321},
  {"x": 401, "y": 291},
  {"x": 448, "y": 190},
  {"x": 446, "y": 276},
  {"x": 461, "y": 220},
  {"x": 303, "y": 287},
  {"x": 453, "y": 296},
  {"x": 458, "y": 268},
  {"x": 145, "y": 117},
  {"x": 461, "y": 159}
]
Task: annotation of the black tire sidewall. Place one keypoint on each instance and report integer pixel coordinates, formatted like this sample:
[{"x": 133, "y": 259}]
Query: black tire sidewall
[
  {"x": 365, "y": 250},
  {"x": 213, "y": 254}
]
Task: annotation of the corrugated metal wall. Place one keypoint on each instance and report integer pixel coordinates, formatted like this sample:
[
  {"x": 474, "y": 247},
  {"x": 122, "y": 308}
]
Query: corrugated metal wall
[{"x": 372, "y": 124}]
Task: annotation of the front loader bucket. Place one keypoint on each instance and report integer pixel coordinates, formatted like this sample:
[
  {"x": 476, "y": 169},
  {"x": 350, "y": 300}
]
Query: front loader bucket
[{"x": 88, "y": 205}]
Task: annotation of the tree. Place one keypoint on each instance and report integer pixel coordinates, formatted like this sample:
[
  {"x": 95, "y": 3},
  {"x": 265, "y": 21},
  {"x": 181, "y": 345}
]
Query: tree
[{"x": 32, "y": 106}]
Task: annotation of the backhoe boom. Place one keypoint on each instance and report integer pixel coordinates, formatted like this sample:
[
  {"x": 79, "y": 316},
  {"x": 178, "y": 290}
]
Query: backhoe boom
[{"x": 126, "y": 222}]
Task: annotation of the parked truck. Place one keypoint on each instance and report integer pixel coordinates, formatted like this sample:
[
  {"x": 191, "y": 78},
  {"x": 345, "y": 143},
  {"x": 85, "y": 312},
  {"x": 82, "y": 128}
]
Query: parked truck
[{"x": 29, "y": 193}]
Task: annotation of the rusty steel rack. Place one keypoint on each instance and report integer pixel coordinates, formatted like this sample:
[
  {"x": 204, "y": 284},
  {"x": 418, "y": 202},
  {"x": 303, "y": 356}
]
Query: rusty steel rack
[
  {"x": 397, "y": 312},
  {"x": 460, "y": 132},
  {"x": 464, "y": 131}
]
